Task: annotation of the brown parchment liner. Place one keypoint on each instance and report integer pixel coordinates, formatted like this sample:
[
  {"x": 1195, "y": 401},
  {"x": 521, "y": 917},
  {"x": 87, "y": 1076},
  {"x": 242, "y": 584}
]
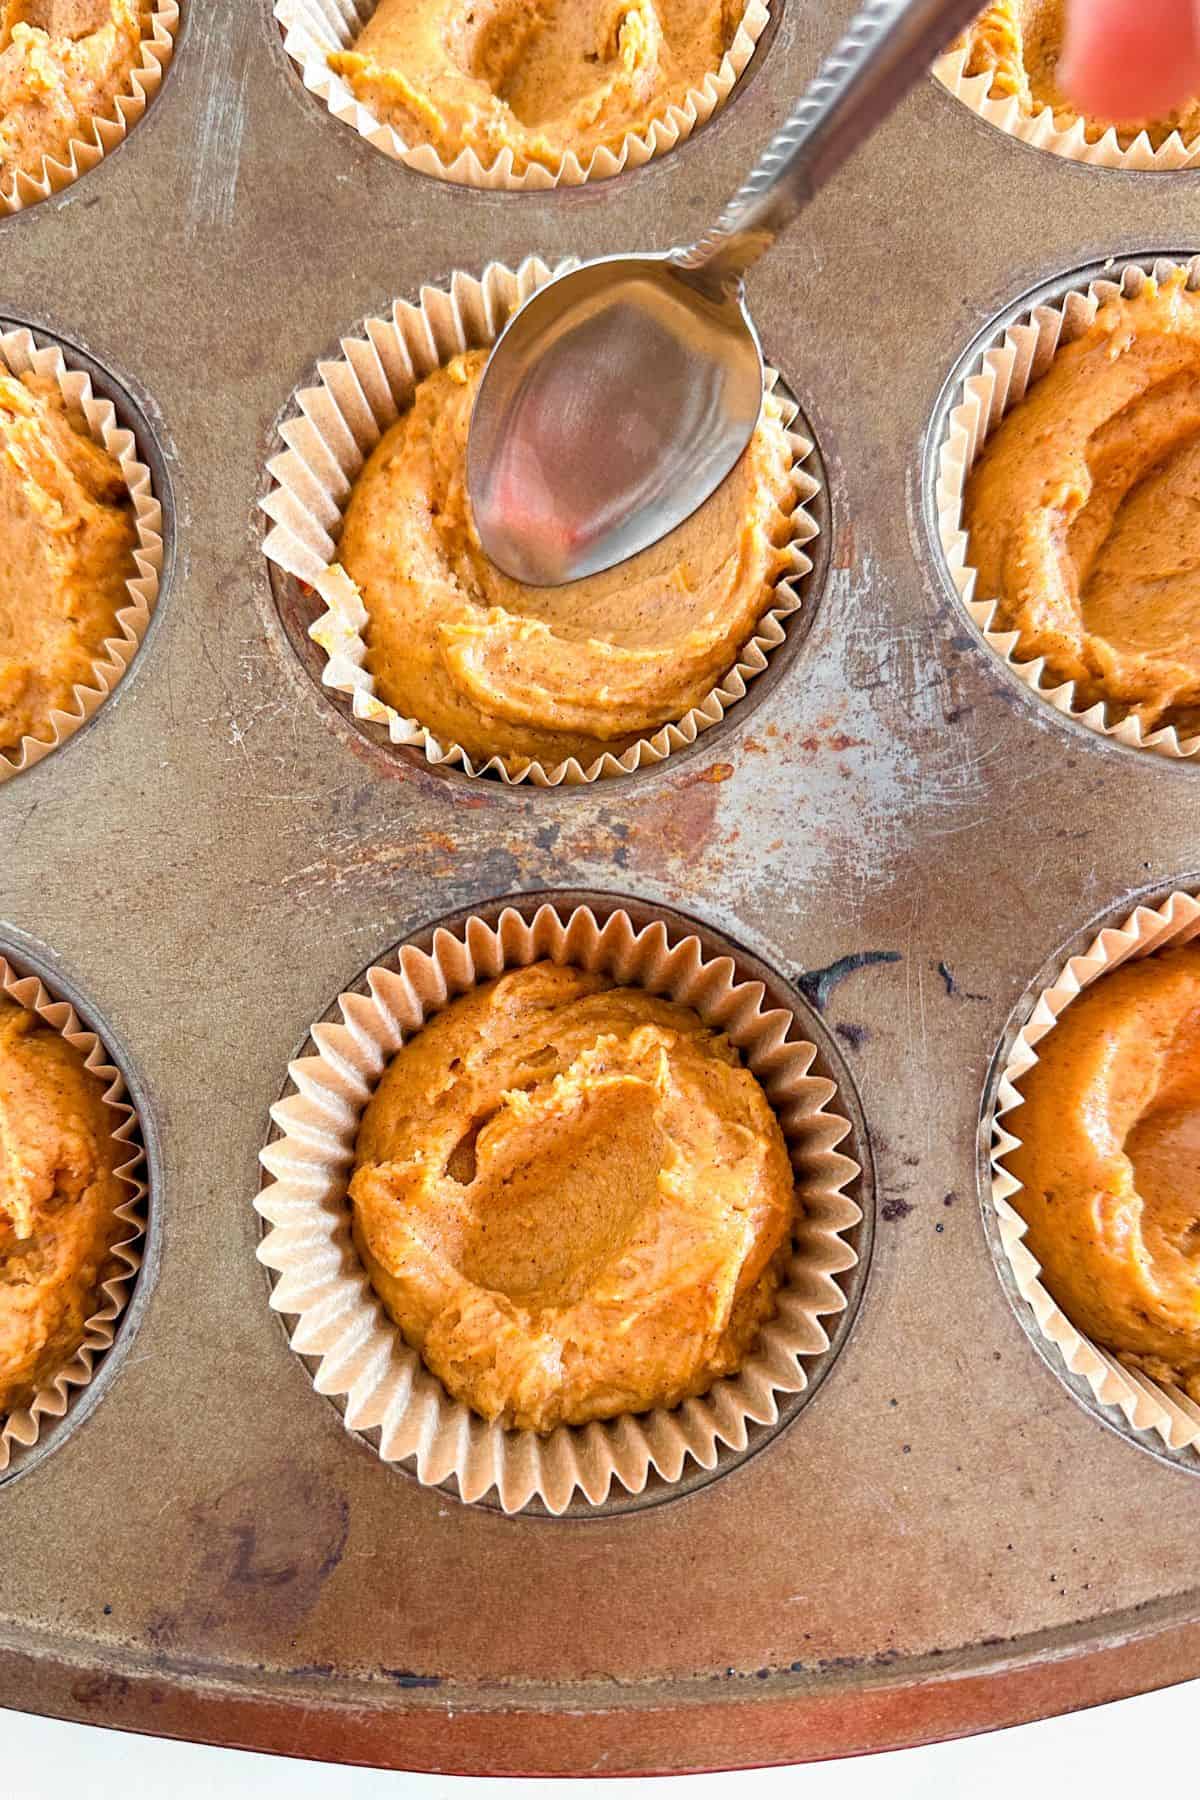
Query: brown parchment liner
[
  {"x": 1078, "y": 141},
  {"x": 146, "y": 77},
  {"x": 313, "y": 29},
  {"x": 19, "y": 1431},
  {"x": 1148, "y": 1405},
  {"x": 338, "y": 424},
  {"x": 19, "y": 353},
  {"x": 364, "y": 1359},
  {"x": 999, "y": 378}
]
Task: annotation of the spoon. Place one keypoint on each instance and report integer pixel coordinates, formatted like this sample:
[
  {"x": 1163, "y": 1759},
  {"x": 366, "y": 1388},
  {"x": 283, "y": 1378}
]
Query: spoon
[{"x": 620, "y": 396}]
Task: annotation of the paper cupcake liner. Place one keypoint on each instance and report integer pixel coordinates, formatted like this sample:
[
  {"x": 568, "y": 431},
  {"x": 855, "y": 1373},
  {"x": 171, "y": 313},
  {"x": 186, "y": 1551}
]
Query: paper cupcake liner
[
  {"x": 339, "y": 423},
  {"x": 363, "y": 1357},
  {"x": 1148, "y": 1405},
  {"x": 314, "y": 29},
  {"x": 20, "y": 1431},
  {"x": 1101, "y": 150},
  {"x": 157, "y": 48},
  {"x": 20, "y": 353},
  {"x": 999, "y": 377}
]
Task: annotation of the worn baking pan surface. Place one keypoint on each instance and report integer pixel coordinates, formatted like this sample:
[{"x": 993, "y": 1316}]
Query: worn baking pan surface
[{"x": 943, "y": 1538}]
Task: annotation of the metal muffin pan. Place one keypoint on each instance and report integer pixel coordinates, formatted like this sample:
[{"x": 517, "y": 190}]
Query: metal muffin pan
[{"x": 943, "y": 1540}]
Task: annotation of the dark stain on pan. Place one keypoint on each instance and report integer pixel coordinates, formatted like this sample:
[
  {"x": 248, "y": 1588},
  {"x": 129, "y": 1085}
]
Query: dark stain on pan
[
  {"x": 103, "y": 1690},
  {"x": 895, "y": 1209},
  {"x": 839, "y": 743},
  {"x": 680, "y": 825},
  {"x": 263, "y": 1547},
  {"x": 408, "y": 1678},
  {"x": 105, "y": 1693},
  {"x": 854, "y": 1035},
  {"x": 952, "y": 988},
  {"x": 818, "y": 984},
  {"x": 825, "y": 1665}
]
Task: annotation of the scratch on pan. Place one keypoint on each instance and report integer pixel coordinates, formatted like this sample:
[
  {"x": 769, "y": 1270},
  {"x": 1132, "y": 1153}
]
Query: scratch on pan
[{"x": 219, "y": 134}]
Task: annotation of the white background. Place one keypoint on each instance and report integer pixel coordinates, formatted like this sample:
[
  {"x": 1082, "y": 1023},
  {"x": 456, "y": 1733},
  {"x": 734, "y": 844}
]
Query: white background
[{"x": 1141, "y": 1747}]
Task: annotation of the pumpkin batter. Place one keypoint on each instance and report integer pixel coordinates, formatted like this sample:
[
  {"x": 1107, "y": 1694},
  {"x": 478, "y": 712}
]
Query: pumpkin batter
[
  {"x": 548, "y": 673},
  {"x": 66, "y": 551},
  {"x": 1083, "y": 512},
  {"x": 1109, "y": 1164},
  {"x": 62, "y": 64},
  {"x": 573, "y": 1199},
  {"x": 1021, "y": 41},
  {"x": 537, "y": 77},
  {"x": 58, "y": 1198}
]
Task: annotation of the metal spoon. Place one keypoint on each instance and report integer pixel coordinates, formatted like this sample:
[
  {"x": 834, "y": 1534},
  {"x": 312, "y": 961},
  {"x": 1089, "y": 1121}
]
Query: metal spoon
[{"x": 621, "y": 394}]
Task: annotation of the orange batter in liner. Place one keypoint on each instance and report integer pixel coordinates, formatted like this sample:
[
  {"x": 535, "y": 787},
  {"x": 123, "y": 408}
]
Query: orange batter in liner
[
  {"x": 58, "y": 1198},
  {"x": 67, "y": 534},
  {"x": 573, "y": 1199},
  {"x": 545, "y": 674},
  {"x": 1083, "y": 513},
  {"x": 1109, "y": 1164},
  {"x": 63, "y": 63},
  {"x": 537, "y": 77}
]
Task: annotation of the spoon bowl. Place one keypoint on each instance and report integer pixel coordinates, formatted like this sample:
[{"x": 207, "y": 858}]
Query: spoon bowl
[{"x": 675, "y": 374}]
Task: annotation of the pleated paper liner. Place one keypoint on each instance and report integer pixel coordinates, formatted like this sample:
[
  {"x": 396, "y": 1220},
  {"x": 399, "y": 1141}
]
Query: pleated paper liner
[
  {"x": 363, "y": 1359},
  {"x": 157, "y": 48},
  {"x": 1078, "y": 141},
  {"x": 20, "y": 1431},
  {"x": 20, "y": 354},
  {"x": 1147, "y": 1405},
  {"x": 999, "y": 377},
  {"x": 339, "y": 422},
  {"x": 315, "y": 29}
]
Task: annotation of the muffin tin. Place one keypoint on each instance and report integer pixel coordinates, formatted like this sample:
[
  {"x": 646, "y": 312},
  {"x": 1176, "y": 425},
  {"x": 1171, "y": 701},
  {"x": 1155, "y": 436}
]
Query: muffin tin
[{"x": 942, "y": 1539}]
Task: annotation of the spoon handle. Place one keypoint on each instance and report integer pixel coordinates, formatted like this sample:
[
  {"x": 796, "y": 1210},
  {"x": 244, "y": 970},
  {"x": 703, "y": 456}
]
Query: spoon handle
[{"x": 887, "y": 47}]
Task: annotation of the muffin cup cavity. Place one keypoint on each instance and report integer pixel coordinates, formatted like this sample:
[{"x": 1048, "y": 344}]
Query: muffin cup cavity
[
  {"x": 156, "y": 50},
  {"x": 330, "y": 435},
  {"x": 995, "y": 378},
  {"x": 1075, "y": 141},
  {"x": 20, "y": 352},
  {"x": 21, "y": 1430},
  {"x": 315, "y": 29},
  {"x": 1156, "y": 1408},
  {"x": 361, "y": 1356}
]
